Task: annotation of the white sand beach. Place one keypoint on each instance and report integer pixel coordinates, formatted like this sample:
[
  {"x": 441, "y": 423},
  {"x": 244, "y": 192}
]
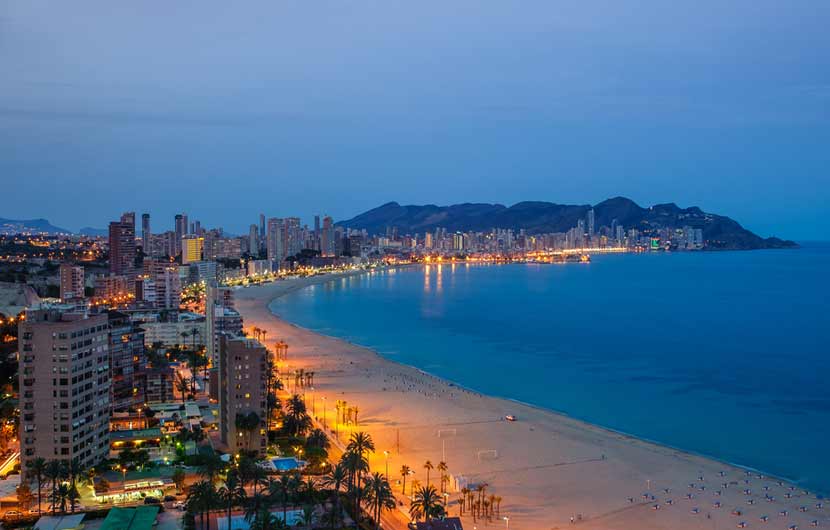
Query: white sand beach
[{"x": 546, "y": 467}]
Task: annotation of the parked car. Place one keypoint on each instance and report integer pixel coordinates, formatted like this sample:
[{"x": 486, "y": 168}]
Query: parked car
[
  {"x": 11, "y": 514},
  {"x": 151, "y": 500},
  {"x": 169, "y": 498},
  {"x": 510, "y": 417}
]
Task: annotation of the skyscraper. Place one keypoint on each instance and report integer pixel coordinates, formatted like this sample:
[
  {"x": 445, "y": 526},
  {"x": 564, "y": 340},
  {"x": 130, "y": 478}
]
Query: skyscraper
[
  {"x": 591, "y": 223},
  {"x": 72, "y": 282},
  {"x": 192, "y": 247},
  {"x": 122, "y": 246},
  {"x": 275, "y": 244},
  {"x": 242, "y": 377},
  {"x": 145, "y": 234},
  {"x": 180, "y": 230},
  {"x": 64, "y": 387},
  {"x": 127, "y": 361},
  {"x": 327, "y": 243},
  {"x": 262, "y": 233},
  {"x": 253, "y": 241}
]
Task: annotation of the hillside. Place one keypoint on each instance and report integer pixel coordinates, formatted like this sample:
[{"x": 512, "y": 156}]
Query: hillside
[{"x": 537, "y": 217}]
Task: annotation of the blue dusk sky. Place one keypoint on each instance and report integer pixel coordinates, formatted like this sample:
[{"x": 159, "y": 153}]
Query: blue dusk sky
[{"x": 226, "y": 109}]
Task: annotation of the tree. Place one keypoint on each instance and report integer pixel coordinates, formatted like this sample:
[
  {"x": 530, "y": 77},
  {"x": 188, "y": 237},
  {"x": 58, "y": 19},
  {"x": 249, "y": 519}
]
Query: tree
[
  {"x": 182, "y": 385},
  {"x": 355, "y": 464},
  {"x": 54, "y": 471},
  {"x": 283, "y": 489},
  {"x": 178, "y": 478},
  {"x": 426, "y": 504},
  {"x": 37, "y": 472},
  {"x": 247, "y": 423},
  {"x": 232, "y": 494},
  {"x": 296, "y": 420},
  {"x": 428, "y": 466},
  {"x": 442, "y": 468},
  {"x": 380, "y": 496},
  {"x": 24, "y": 496},
  {"x": 211, "y": 466},
  {"x": 335, "y": 480},
  {"x": 200, "y": 498},
  {"x": 404, "y": 472},
  {"x": 317, "y": 438},
  {"x": 307, "y": 518}
]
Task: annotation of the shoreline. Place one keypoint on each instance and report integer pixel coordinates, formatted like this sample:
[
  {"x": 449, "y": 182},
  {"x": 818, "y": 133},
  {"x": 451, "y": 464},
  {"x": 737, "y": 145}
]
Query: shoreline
[{"x": 609, "y": 497}]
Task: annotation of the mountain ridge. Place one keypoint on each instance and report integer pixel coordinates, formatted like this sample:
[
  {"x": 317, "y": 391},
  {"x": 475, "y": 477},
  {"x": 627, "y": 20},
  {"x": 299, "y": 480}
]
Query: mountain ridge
[{"x": 719, "y": 232}]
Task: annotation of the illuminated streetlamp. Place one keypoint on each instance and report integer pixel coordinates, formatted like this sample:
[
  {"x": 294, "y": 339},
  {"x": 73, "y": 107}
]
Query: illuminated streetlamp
[
  {"x": 386, "y": 454},
  {"x": 506, "y": 521}
]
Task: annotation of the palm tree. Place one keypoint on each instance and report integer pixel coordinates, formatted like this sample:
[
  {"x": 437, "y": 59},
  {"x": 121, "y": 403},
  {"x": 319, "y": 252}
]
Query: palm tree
[
  {"x": 404, "y": 472},
  {"x": 360, "y": 443},
  {"x": 380, "y": 496},
  {"x": 77, "y": 473},
  {"x": 178, "y": 478},
  {"x": 184, "y": 335},
  {"x": 182, "y": 385},
  {"x": 465, "y": 497},
  {"x": 426, "y": 504},
  {"x": 307, "y": 518},
  {"x": 37, "y": 471},
  {"x": 265, "y": 520},
  {"x": 497, "y": 500},
  {"x": 258, "y": 477},
  {"x": 54, "y": 472},
  {"x": 428, "y": 466},
  {"x": 442, "y": 468},
  {"x": 282, "y": 489},
  {"x": 297, "y": 420},
  {"x": 200, "y": 498},
  {"x": 334, "y": 480},
  {"x": 211, "y": 466},
  {"x": 317, "y": 438},
  {"x": 480, "y": 489},
  {"x": 232, "y": 493}
]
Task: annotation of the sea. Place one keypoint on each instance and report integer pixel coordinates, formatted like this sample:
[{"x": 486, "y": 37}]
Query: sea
[{"x": 723, "y": 354}]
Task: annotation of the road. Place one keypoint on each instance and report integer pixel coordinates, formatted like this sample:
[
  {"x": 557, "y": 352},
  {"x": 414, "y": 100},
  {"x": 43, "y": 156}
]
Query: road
[{"x": 9, "y": 464}]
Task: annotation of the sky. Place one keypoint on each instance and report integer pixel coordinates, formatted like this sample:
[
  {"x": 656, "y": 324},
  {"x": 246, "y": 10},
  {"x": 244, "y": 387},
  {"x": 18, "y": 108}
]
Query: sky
[{"x": 224, "y": 110}]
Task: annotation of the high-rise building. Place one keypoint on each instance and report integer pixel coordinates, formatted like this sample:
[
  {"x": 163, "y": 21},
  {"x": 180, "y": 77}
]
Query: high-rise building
[
  {"x": 192, "y": 249},
  {"x": 165, "y": 282},
  {"x": 112, "y": 289},
  {"x": 327, "y": 242},
  {"x": 253, "y": 241},
  {"x": 122, "y": 246},
  {"x": 181, "y": 231},
  {"x": 127, "y": 359},
  {"x": 220, "y": 318},
  {"x": 64, "y": 387},
  {"x": 72, "y": 282},
  {"x": 146, "y": 240},
  {"x": 242, "y": 374},
  {"x": 275, "y": 244},
  {"x": 293, "y": 237},
  {"x": 591, "y": 223}
]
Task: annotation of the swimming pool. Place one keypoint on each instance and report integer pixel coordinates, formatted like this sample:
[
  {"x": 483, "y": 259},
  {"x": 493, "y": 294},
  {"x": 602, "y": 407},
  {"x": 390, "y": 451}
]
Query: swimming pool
[{"x": 287, "y": 463}]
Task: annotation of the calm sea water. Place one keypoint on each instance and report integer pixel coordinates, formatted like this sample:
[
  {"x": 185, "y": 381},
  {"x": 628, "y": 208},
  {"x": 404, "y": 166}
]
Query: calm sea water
[{"x": 724, "y": 354}]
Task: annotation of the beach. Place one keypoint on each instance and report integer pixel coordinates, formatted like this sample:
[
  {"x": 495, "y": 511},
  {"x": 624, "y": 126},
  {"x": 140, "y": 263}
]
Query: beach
[{"x": 546, "y": 467}]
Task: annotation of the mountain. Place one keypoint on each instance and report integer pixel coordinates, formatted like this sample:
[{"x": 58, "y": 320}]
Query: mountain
[
  {"x": 538, "y": 217},
  {"x": 38, "y": 226},
  {"x": 93, "y": 232}
]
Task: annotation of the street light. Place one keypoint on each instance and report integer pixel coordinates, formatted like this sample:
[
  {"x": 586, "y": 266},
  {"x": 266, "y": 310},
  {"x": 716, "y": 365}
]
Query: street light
[
  {"x": 386, "y": 454},
  {"x": 506, "y": 521},
  {"x": 324, "y": 411}
]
